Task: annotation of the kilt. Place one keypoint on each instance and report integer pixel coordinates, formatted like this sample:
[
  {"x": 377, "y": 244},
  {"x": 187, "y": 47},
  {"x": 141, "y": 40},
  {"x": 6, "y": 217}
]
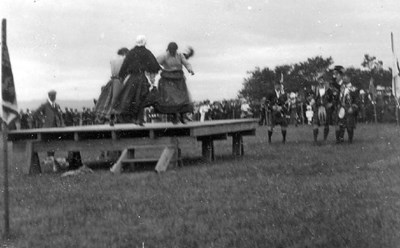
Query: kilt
[
  {"x": 276, "y": 118},
  {"x": 317, "y": 121}
]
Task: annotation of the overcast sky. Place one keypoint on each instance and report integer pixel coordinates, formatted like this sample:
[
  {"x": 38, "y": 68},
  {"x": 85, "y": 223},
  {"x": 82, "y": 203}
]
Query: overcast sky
[{"x": 67, "y": 45}]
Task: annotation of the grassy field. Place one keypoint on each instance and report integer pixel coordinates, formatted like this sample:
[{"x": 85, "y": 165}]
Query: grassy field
[{"x": 292, "y": 195}]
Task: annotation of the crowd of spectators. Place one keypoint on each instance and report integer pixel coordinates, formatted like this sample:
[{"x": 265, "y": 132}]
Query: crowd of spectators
[
  {"x": 207, "y": 110},
  {"x": 71, "y": 117},
  {"x": 382, "y": 109},
  {"x": 203, "y": 111}
]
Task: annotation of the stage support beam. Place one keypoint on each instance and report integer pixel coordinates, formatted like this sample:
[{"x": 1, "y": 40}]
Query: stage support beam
[
  {"x": 237, "y": 145},
  {"x": 207, "y": 148}
]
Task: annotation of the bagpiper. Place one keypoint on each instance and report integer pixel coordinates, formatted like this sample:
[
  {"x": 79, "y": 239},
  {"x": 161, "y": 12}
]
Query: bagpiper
[
  {"x": 277, "y": 110},
  {"x": 346, "y": 105},
  {"x": 323, "y": 107}
]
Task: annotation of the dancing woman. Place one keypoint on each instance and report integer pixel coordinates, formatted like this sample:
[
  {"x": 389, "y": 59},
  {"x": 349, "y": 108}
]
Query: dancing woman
[
  {"x": 138, "y": 63},
  {"x": 111, "y": 90},
  {"x": 174, "y": 96}
]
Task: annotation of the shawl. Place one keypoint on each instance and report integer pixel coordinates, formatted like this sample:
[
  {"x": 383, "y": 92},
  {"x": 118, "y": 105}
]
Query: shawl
[{"x": 139, "y": 60}]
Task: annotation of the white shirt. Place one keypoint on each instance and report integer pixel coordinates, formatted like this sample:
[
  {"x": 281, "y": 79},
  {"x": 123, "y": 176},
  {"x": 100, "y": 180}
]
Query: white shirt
[
  {"x": 204, "y": 108},
  {"x": 278, "y": 93},
  {"x": 116, "y": 65},
  {"x": 321, "y": 91},
  {"x": 245, "y": 107},
  {"x": 53, "y": 104}
]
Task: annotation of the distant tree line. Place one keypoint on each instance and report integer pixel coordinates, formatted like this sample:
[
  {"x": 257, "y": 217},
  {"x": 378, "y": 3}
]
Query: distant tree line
[{"x": 301, "y": 76}]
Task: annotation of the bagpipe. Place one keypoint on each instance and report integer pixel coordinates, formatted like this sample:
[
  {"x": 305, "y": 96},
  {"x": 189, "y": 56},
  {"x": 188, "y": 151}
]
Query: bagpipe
[
  {"x": 347, "y": 101},
  {"x": 279, "y": 106}
]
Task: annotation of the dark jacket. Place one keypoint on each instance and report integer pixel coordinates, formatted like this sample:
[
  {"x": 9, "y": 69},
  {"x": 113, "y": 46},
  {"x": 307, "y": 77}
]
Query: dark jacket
[
  {"x": 139, "y": 60},
  {"x": 52, "y": 117},
  {"x": 274, "y": 100}
]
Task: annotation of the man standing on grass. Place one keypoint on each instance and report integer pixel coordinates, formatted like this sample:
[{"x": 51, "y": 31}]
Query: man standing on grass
[
  {"x": 263, "y": 112},
  {"x": 322, "y": 108},
  {"x": 277, "y": 111},
  {"x": 346, "y": 105}
]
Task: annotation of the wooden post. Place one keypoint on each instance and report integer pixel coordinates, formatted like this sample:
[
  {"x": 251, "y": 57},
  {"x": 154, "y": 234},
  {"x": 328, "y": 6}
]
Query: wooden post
[
  {"x": 130, "y": 153},
  {"x": 237, "y": 145},
  {"x": 5, "y": 139},
  {"x": 5, "y": 167},
  {"x": 207, "y": 146},
  {"x": 165, "y": 159},
  {"x": 117, "y": 167},
  {"x": 375, "y": 114},
  {"x": 74, "y": 160},
  {"x": 179, "y": 157},
  {"x": 302, "y": 114},
  {"x": 397, "y": 115},
  {"x": 33, "y": 159},
  {"x": 394, "y": 77}
]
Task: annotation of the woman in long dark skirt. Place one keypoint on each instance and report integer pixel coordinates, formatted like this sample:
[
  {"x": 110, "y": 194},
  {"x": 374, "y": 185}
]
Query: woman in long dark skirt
[
  {"x": 138, "y": 63},
  {"x": 174, "y": 96},
  {"x": 110, "y": 91}
]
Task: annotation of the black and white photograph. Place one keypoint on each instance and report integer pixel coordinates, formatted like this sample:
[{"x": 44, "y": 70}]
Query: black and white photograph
[{"x": 190, "y": 124}]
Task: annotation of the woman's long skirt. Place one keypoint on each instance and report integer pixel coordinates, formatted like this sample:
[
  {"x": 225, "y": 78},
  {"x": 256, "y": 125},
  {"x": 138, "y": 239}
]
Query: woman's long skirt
[
  {"x": 130, "y": 103},
  {"x": 173, "y": 94},
  {"x": 108, "y": 95}
]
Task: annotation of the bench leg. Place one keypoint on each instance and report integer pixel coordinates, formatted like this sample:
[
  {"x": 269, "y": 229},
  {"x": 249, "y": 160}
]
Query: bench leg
[
  {"x": 74, "y": 160},
  {"x": 179, "y": 157},
  {"x": 32, "y": 159},
  {"x": 35, "y": 164},
  {"x": 207, "y": 146},
  {"x": 117, "y": 167},
  {"x": 237, "y": 145},
  {"x": 165, "y": 159}
]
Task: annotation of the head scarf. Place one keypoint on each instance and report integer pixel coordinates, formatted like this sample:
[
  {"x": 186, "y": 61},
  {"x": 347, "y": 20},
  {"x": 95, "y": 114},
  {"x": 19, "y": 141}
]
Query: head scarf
[{"x": 141, "y": 40}]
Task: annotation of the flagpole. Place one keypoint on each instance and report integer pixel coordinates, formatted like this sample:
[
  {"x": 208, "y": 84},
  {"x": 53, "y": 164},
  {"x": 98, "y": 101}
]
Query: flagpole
[
  {"x": 5, "y": 147},
  {"x": 372, "y": 92},
  {"x": 6, "y": 191},
  {"x": 394, "y": 86}
]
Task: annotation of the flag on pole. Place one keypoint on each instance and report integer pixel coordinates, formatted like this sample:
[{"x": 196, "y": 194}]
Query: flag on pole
[
  {"x": 395, "y": 73},
  {"x": 8, "y": 112},
  {"x": 372, "y": 89},
  {"x": 9, "y": 109}
]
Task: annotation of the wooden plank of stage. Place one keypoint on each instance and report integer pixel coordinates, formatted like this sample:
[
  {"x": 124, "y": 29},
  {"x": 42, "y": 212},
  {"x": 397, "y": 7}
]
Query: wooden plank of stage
[
  {"x": 29, "y": 142},
  {"x": 193, "y": 129}
]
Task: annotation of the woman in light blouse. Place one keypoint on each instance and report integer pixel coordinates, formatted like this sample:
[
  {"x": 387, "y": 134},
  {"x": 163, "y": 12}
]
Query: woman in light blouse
[{"x": 174, "y": 96}]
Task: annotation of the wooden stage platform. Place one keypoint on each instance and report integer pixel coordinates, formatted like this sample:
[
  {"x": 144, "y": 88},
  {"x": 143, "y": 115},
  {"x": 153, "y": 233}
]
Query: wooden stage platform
[{"x": 27, "y": 143}]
